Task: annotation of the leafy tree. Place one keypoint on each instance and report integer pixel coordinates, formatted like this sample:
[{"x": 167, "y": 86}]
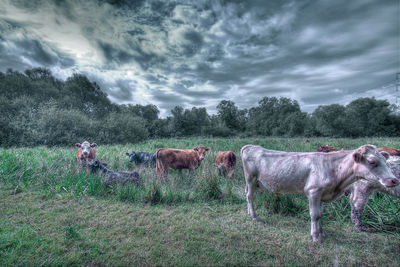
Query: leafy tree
[
  {"x": 370, "y": 117},
  {"x": 271, "y": 115},
  {"x": 331, "y": 120},
  {"x": 229, "y": 114},
  {"x": 189, "y": 122},
  {"x": 122, "y": 128},
  {"x": 55, "y": 126}
]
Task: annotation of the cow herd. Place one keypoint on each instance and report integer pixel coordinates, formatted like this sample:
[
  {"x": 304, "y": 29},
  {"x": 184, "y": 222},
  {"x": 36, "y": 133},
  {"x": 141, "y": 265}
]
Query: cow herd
[{"x": 321, "y": 176}]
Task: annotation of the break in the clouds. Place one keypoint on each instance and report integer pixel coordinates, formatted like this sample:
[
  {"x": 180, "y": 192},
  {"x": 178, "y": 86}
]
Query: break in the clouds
[{"x": 197, "y": 53}]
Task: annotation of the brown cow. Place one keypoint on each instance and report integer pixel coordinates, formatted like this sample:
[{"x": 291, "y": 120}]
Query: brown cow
[
  {"x": 178, "y": 159},
  {"x": 85, "y": 153},
  {"x": 391, "y": 151},
  {"x": 226, "y": 160},
  {"x": 326, "y": 149}
]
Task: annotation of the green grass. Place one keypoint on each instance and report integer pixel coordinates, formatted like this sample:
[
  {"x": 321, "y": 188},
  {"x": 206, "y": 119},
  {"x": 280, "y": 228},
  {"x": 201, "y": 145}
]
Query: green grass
[{"x": 52, "y": 213}]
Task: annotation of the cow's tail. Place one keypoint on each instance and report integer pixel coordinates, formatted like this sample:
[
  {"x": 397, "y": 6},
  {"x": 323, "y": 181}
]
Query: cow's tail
[{"x": 159, "y": 163}]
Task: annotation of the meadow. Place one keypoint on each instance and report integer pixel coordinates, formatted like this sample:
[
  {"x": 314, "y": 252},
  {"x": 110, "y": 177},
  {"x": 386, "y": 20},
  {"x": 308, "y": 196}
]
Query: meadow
[{"x": 54, "y": 213}]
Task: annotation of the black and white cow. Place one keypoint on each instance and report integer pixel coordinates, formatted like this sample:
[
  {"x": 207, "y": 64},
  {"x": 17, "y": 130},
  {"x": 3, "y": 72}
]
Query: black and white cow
[{"x": 142, "y": 158}]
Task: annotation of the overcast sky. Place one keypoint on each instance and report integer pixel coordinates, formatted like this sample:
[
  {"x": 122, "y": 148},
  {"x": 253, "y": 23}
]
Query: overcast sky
[{"x": 197, "y": 53}]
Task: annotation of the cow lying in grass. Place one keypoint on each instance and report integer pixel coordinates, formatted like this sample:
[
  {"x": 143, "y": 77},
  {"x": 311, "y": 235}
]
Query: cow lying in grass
[
  {"x": 226, "y": 161},
  {"x": 142, "y": 158},
  {"x": 322, "y": 177},
  {"x": 178, "y": 159},
  {"x": 361, "y": 190},
  {"x": 390, "y": 150},
  {"x": 85, "y": 153},
  {"x": 110, "y": 177}
]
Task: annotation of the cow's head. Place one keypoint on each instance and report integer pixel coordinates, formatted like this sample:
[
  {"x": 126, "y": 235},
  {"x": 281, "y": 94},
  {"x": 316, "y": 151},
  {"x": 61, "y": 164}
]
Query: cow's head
[
  {"x": 86, "y": 147},
  {"x": 96, "y": 165},
  {"x": 131, "y": 156},
  {"x": 370, "y": 164},
  {"x": 201, "y": 151}
]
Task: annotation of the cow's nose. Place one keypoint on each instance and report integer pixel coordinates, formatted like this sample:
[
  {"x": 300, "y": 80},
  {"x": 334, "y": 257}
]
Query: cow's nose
[{"x": 391, "y": 182}]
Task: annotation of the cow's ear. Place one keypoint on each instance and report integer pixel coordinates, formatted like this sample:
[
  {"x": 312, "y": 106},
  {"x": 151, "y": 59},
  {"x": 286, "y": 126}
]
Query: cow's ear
[
  {"x": 207, "y": 148},
  {"x": 78, "y": 145},
  {"x": 127, "y": 153},
  {"x": 357, "y": 156},
  {"x": 385, "y": 154},
  {"x": 196, "y": 149},
  {"x": 93, "y": 145}
]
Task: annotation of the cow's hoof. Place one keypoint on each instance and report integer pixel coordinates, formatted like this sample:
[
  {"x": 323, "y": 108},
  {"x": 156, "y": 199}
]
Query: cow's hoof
[
  {"x": 318, "y": 238},
  {"x": 257, "y": 219},
  {"x": 363, "y": 228}
]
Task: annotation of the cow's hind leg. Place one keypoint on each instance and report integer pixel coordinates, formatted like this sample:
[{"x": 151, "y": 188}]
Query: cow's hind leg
[
  {"x": 314, "y": 200},
  {"x": 251, "y": 184},
  {"x": 230, "y": 173}
]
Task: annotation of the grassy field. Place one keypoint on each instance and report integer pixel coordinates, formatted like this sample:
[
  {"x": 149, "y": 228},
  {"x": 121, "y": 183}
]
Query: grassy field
[{"x": 53, "y": 214}]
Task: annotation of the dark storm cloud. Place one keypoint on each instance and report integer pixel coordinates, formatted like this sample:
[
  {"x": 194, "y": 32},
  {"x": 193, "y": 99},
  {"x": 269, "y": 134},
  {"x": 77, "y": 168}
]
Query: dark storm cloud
[
  {"x": 34, "y": 50},
  {"x": 197, "y": 53},
  {"x": 195, "y": 42}
]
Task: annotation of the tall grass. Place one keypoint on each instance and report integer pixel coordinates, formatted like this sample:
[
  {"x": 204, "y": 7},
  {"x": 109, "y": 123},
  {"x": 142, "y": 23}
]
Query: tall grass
[{"x": 54, "y": 170}]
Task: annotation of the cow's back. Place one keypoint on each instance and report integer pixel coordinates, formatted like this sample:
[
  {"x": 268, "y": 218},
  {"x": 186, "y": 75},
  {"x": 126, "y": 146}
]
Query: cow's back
[
  {"x": 177, "y": 158},
  {"x": 279, "y": 171}
]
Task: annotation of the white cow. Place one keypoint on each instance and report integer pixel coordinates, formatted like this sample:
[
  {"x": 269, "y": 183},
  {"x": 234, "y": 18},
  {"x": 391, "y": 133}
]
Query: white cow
[{"x": 322, "y": 177}]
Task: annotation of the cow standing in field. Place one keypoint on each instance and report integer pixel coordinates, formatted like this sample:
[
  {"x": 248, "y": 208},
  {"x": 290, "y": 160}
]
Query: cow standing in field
[
  {"x": 86, "y": 153},
  {"x": 142, "y": 158},
  {"x": 178, "y": 159},
  {"x": 361, "y": 190},
  {"x": 322, "y": 177},
  {"x": 226, "y": 161}
]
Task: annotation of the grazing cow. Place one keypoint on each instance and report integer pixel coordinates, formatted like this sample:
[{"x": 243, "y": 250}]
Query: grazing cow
[
  {"x": 361, "y": 190},
  {"x": 178, "y": 159},
  {"x": 85, "y": 153},
  {"x": 391, "y": 151},
  {"x": 322, "y": 177},
  {"x": 226, "y": 161},
  {"x": 110, "y": 177},
  {"x": 142, "y": 158}
]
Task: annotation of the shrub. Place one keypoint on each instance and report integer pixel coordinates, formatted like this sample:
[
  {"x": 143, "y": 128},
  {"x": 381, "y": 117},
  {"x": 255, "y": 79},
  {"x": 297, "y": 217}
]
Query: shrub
[
  {"x": 153, "y": 194},
  {"x": 208, "y": 188},
  {"x": 120, "y": 128}
]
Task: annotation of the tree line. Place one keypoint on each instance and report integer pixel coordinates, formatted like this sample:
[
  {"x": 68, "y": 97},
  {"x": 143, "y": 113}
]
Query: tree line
[{"x": 38, "y": 109}]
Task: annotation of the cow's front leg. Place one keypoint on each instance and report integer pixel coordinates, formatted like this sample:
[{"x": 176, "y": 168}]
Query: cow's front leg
[
  {"x": 358, "y": 199},
  {"x": 314, "y": 200}
]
